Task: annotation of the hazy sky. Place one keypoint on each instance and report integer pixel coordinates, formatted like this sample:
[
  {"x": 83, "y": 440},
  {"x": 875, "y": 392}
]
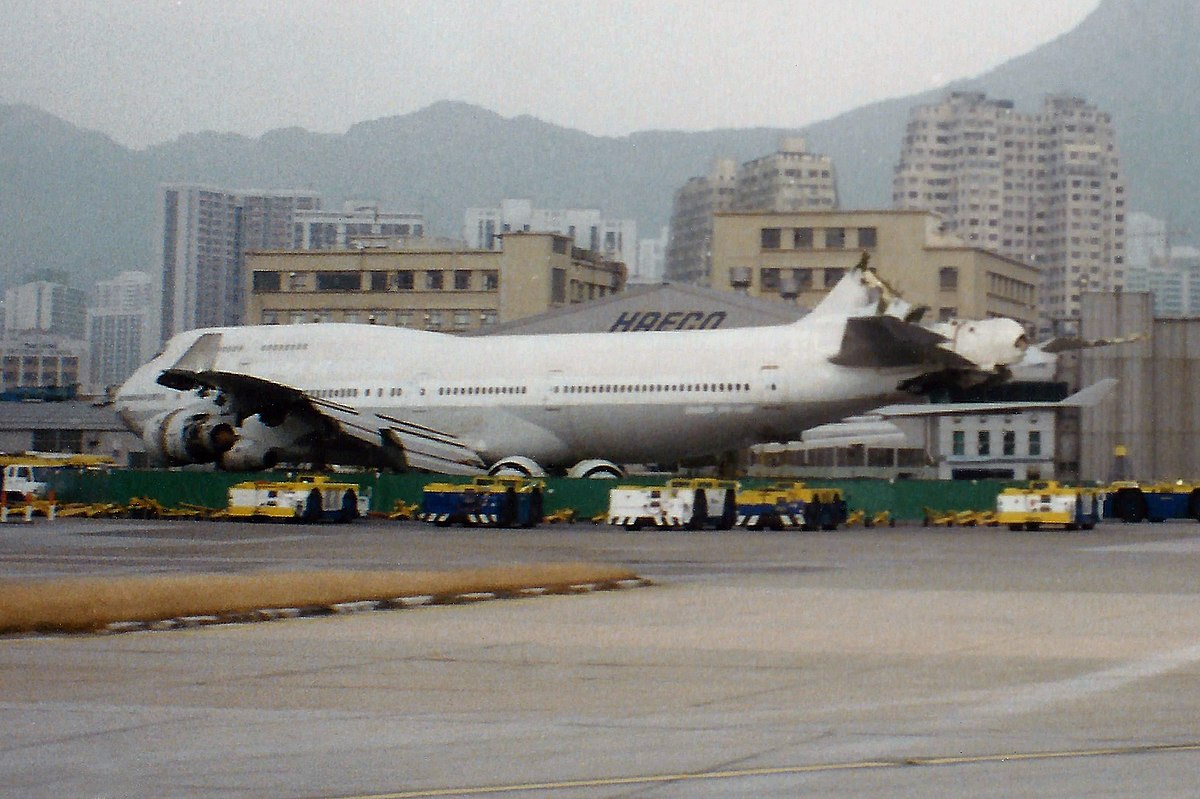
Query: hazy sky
[{"x": 145, "y": 71}]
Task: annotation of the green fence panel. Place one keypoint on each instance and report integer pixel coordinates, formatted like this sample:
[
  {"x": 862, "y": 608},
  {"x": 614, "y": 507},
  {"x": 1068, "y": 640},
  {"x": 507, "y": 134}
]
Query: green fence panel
[{"x": 905, "y": 499}]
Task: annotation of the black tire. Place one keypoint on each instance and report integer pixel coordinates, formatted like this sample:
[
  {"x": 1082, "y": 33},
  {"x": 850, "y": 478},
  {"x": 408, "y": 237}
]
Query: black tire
[
  {"x": 312, "y": 507},
  {"x": 508, "y": 509},
  {"x": 1129, "y": 506},
  {"x": 728, "y": 511},
  {"x": 349, "y": 510},
  {"x": 535, "y": 509},
  {"x": 699, "y": 512},
  {"x": 1016, "y": 527},
  {"x": 813, "y": 512}
]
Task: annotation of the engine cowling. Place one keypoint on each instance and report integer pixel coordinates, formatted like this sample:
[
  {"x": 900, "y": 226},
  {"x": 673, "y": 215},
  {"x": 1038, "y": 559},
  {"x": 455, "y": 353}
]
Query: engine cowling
[
  {"x": 517, "y": 465},
  {"x": 987, "y": 343},
  {"x": 248, "y": 455},
  {"x": 189, "y": 435}
]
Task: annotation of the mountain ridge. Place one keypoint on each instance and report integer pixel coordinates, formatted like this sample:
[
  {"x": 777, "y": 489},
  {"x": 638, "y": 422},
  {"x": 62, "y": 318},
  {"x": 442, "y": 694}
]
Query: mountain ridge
[{"x": 84, "y": 203}]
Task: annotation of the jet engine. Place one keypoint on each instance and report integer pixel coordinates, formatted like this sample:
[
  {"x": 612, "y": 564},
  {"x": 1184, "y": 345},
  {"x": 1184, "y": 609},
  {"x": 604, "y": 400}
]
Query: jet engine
[
  {"x": 987, "y": 343},
  {"x": 192, "y": 434},
  {"x": 249, "y": 455}
]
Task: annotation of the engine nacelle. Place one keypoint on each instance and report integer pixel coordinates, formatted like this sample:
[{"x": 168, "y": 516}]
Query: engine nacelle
[
  {"x": 249, "y": 455},
  {"x": 986, "y": 343},
  {"x": 192, "y": 434}
]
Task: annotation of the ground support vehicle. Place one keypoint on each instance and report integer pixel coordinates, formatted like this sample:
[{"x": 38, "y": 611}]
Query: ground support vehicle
[
  {"x": 25, "y": 477},
  {"x": 1133, "y": 502},
  {"x": 784, "y": 506},
  {"x": 1046, "y": 503},
  {"x": 635, "y": 507},
  {"x": 713, "y": 501},
  {"x": 496, "y": 501},
  {"x": 309, "y": 498}
]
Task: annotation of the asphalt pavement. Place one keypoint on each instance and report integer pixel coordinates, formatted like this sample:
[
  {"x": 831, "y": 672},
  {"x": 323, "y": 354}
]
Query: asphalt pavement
[{"x": 900, "y": 662}]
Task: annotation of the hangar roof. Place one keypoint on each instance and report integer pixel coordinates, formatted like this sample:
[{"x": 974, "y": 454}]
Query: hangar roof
[{"x": 661, "y": 306}]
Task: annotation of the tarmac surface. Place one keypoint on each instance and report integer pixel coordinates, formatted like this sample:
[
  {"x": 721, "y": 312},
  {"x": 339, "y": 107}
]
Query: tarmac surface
[{"x": 905, "y": 662}]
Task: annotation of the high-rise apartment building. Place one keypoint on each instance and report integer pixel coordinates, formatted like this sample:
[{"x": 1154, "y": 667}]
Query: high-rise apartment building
[
  {"x": 791, "y": 179},
  {"x": 609, "y": 238},
  {"x": 1042, "y": 188},
  {"x": 354, "y": 225},
  {"x": 206, "y": 232},
  {"x": 119, "y": 329},
  {"x": 45, "y": 307}
]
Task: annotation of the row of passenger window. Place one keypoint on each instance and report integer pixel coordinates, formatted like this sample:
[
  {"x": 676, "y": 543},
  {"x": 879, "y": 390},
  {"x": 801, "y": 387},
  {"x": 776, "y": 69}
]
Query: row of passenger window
[
  {"x": 343, "y": 393},
  {"x": 651, "y": 388},
  {"x": 474, "y": 390}
]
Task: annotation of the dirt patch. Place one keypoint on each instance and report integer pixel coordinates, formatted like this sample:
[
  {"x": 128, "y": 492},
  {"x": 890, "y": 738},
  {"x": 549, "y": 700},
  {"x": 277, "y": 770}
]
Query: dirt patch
[{"x": 87, "y": 604}]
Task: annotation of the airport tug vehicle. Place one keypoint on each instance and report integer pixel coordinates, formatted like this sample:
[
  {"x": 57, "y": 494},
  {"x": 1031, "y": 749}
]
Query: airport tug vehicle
[
  {"x": 1133, "y": 502},
  {"x": 307, "y": 498},
  {"x": 785, "y": 506},
  {"x": 1046, "y": 503},
  {"x": 683, "y": 503},
  {"x": 497, "y": 501}
]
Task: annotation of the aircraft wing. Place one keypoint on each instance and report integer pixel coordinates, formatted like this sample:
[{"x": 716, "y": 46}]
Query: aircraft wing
[{"x": 404, "y": 443}]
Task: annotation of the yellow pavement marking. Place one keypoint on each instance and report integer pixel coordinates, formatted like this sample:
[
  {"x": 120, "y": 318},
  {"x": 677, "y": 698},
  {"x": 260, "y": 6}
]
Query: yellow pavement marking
[{"x": 955, "y": 760}]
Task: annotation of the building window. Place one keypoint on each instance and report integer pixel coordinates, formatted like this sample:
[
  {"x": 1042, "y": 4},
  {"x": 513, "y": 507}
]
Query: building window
[
  {"x": 835, "y": 238},
  {"x": 435, "y": 280},
  {"x": 770, "y": 238},
  {"x": 487, "y": 317},
  {"x": 462, "y": 279},
  {"x": 1035, "y": 443},
  {"x": 379, "y": 281},
  {"x": 404, "y": 280},
  {"x": 804, "y": 279},
  {"x": 433, "y": 320},
  {"x": 959, "y": 443},
  {"x": 948, "y": 278},
  {"x": 1010, "y": 442},
  {"x": 769, "y": 279},
  {"x": 984, "y": 443},
  {"x": 832, "y": 276},
  {"x": 462, "y": 318},
  {"x": 558, "y": 285},
  {"x": 491, "y": 280},
  {"x": 339, "y": 281},
  {"x": 403, "y": 318},
  {"x": 802, "y": 238},
  {"x": 867, "y": 238},
  {"x": 266, "y": 281}
]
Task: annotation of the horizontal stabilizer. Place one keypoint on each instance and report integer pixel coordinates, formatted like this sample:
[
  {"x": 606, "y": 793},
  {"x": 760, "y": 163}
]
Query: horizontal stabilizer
[
  {"x": 885, "y": 341},
  {"x": 1068, "y": 343},
  {"x": 1087, "y": 397}
]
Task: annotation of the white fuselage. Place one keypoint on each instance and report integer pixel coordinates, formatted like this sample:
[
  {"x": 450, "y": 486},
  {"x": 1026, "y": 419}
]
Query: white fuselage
[{"x": 558, "y": 399}]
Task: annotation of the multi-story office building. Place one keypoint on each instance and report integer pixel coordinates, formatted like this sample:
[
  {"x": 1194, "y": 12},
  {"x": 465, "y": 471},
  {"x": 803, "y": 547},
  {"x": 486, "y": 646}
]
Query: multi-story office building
[
  {"x": 454, "y": 289},
  {"x": 45, "y": 307},
  {"x": 1170, "y": 273},
  {"x": 612, "y": 239},
  {"x": 791, "y": 179},
  {"x": 119, "y": 329},
  {"x": 1042, "y": 188},
  {"x": 799, "y": 256},
  {"x": 40, "y": 360},
  {"x": 205, "y": 234},
  {"x": 652, "y": 259},
  {"x": 357, "y": 224},
  {"x": 689, "y": 248}
]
